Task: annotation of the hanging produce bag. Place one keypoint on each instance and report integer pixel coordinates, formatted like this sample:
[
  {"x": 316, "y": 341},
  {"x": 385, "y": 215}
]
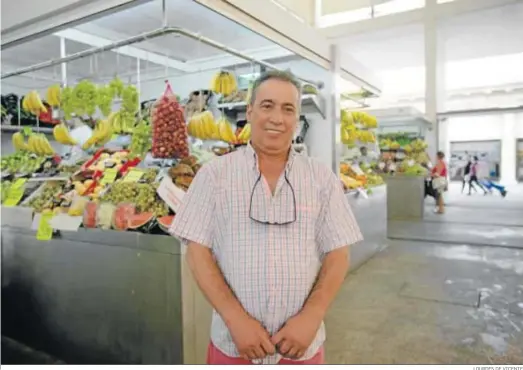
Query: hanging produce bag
[{"x": 170, "y": 139}]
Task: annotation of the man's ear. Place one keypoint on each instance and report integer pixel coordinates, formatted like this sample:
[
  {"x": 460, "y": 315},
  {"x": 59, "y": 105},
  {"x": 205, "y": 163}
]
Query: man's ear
[{"x": 248, "y": 113}]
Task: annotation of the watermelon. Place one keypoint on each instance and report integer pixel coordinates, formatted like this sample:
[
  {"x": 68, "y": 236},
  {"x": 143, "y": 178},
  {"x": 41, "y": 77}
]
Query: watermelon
[
  {"x": 165, "y": 223},
  {"x": 121, "y": 216},
  {"x": 141, "y": 221}
]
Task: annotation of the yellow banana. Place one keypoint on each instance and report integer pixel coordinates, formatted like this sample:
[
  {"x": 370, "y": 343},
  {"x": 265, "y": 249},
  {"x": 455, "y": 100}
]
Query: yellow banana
[
  {"x": 245, "y": 134},
  {"x": 18, "y": 141},
  {"x": 232, "y": 83},
  {"x": 46, "y": 146},
  {"x": 53, "y": 95},
  {"x": 226, "y": 133},
  {"x": 62, "y": 135}
]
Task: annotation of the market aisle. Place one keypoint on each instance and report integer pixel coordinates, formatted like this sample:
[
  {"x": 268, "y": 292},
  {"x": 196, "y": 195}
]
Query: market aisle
[
  {"x": 474, "y": 220},
  {"x": 430, "y": 304}
]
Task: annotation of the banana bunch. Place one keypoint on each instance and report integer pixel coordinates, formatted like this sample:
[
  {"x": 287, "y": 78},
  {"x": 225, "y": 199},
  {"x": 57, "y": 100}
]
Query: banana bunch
[
  {"x": 54, "y": 95},
  {"x": 33, "y": 104},
  {"x": 224, "y": 83},
  {"x": 349, "y": 182},
  {"x": 19, "y": 141},
  {"x": 245, "y": 134},
  {"x": 365, "y": 119},
  {"x": 349, "y": 135},
  {"x": 366, "y": 136},
  {"x": 121, "y": 122},
  {"x": 62, "y": 135},
  {"x": 346, "y": 118},
  {"x": 102, "y": 134},
  {"x": 202, "y": 126},
  {"x": 38, "y": 144},
  {"x": 225, "y": 130}
]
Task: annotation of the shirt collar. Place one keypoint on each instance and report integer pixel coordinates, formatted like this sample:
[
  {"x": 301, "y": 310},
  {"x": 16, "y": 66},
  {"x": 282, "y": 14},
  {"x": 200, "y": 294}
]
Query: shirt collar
[{"x": 252, "y": 158}]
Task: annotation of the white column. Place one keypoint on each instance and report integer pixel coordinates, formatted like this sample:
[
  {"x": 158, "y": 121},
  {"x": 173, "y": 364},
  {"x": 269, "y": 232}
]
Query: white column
[
  {"x": 321, "y": 137},
  {"x": 434, "y": 78},
  {"x": 508, "y": 149}
]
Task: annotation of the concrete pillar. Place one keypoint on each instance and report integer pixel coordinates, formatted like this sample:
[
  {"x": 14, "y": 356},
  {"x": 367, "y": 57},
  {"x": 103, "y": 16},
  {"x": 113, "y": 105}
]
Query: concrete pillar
[
  {"x": 434, "y": 77},
  {"x": 321, "y": 137},
  {"x": 508, "y": 149}
]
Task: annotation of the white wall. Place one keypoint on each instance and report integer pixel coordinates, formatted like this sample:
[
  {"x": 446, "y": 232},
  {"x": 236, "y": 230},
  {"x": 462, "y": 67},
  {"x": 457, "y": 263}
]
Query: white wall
[{"x": 506, "y": 127}]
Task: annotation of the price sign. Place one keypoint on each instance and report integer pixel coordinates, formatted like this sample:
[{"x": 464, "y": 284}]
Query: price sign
[
  {"x": 45, "y": 231},
  {"x": 134, "y": 175},
  {"x": 15, "y": 193},
  {"x": 381, "y": 165},
  {"x": 109, "y": 176},
  {"x": 18, "y": 183},
  {"x": 14, "y": 196},
  {"x": 411, "y": 162},
  {"x": 170, "y": 193}
]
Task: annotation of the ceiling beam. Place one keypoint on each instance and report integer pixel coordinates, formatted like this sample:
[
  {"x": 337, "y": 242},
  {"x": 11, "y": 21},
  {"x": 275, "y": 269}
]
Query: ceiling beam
[
  {"x": 222, "y": 61},
  {"x": 131, "y": 51},
  {"x": 445, "y": 10},
  {"x": 29, "y": 20}
]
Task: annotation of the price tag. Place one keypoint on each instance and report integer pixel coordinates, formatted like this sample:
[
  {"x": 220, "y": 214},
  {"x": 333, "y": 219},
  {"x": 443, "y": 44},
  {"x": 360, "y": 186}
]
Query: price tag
[
  {"x": 14, "y": 196},
  {"x": 45, "y": 231},
  {"x": 18, "y": 183},
  {"x": 381, "y": 165},
  {"x": 411, "y": 162},
  {"x": 133, "y": 175},
  {"x": 109, "y": 176},
  {"x": 170, "y": 193}
]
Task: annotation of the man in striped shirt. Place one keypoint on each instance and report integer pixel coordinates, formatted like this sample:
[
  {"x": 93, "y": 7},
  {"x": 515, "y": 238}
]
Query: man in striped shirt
[{"x": 268, "y": 233}]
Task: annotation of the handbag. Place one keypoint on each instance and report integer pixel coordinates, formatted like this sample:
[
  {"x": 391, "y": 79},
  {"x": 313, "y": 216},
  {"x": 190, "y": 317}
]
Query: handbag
[
  {"x": 439, "y": 183},
  {"x": 466, "y": 178}
]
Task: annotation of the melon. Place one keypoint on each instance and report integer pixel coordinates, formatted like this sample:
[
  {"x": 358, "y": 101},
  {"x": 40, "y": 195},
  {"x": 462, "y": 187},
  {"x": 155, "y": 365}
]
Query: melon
[
  {"x": 141, "y": 221},
  {"x": 89, "y": 217},
  {"x": 121, "y": 216},
  {"x": 165, "y": 223}
]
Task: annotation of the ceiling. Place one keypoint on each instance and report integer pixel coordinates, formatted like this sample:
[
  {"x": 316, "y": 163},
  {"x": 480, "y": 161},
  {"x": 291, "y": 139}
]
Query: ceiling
[
  {"x": 124, "y": 24},
  {"x": 474, "y": 35}
]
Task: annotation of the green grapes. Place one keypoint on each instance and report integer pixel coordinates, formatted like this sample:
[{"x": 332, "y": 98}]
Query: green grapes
[
  {"x": 130, "y": 99},
  {"x": 104, "y": 100},
  {"x": 116, "y": 87},
  {"x": 84, "y": 95},
  {"x": 67, "y": 102},
  {"x": 141, "y": 140}
]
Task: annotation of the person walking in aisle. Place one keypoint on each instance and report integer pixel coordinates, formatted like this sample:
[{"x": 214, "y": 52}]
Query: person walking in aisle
[
  {"x": 268, "y": 233},
  {"x": 466, "y": 177},
  {"x": 489, "y": 185},
  {"x": 474, "y": 175},
  {"x": 439, "y": 181}
]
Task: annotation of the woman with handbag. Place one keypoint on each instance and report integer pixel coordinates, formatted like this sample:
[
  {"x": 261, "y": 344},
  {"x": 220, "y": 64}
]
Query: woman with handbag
[{"x": 439, "y": 181}]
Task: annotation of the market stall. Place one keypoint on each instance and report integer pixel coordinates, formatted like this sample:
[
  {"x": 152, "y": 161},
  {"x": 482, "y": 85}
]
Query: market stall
[
  {"x": 403, "y": 160},
  {"x": 90, "y": 273}
]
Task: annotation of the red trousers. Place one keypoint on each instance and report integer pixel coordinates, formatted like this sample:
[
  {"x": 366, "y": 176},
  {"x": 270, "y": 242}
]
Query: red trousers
[{"x": 217, "y": 357}]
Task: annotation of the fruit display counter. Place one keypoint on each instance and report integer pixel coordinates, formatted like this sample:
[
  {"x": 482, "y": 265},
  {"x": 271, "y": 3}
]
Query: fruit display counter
[
  {"x": 371, "y": 213},
  {"x": 97, "y": 296}
]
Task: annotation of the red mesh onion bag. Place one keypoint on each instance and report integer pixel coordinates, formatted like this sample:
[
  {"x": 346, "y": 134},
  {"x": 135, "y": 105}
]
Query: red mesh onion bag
[{"x": 170, "y": 139}]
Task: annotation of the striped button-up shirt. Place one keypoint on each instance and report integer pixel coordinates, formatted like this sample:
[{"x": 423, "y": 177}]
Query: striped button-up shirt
[{"x": 271, "y": 269}]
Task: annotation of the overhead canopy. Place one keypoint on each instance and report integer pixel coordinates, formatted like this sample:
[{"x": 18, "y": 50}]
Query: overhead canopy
[{"x": 278, "y": 25}]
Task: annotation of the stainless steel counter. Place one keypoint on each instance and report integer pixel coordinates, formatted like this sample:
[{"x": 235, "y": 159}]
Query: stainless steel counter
[
  {"x": 102, "y": 297},
  {"x": 371, "y": 214}
]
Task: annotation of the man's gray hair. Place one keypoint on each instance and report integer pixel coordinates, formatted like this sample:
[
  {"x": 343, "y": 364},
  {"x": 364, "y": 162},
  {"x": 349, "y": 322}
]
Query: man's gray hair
[{"x": 275, "y": 75}]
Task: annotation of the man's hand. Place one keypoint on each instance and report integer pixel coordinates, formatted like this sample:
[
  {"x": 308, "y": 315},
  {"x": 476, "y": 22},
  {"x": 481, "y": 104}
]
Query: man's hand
[
  {"x": 251, "y": 339},
  {"x": 295, "y": 337}
]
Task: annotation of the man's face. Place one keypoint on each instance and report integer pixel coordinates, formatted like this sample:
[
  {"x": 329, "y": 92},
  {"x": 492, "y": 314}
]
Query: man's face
[{"x": 274, "y": 114}]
